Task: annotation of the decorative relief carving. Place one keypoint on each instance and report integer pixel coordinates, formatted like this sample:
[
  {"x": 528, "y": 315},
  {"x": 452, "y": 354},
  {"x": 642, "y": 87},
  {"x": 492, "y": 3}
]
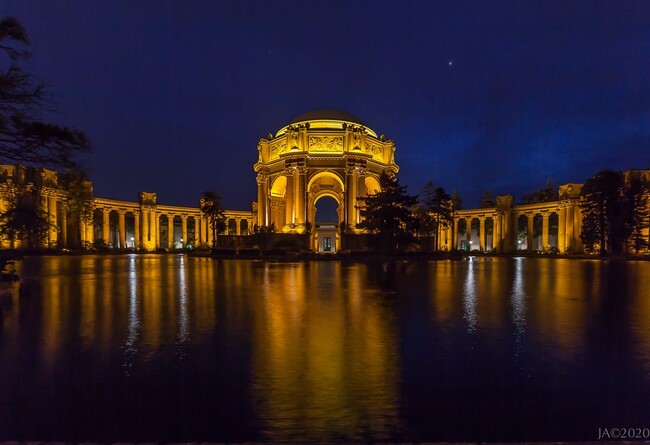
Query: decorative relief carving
[
  {"x": 375, "y": 150},
  {"x": 325, "y": 143},
  {"x": 277, "y": 149},
  {"x": 147, "y": 198}
]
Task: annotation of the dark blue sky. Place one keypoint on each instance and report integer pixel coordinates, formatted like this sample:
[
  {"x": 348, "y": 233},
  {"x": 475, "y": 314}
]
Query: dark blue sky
[{"x": 175, "y": 95}]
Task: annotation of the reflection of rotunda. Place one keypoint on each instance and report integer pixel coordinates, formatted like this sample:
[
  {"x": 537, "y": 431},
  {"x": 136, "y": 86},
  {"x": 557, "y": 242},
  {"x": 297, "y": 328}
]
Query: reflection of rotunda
[{"x": 320, "y": 153}]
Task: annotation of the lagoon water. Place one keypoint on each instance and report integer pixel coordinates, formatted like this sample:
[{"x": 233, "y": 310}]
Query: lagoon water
[{"x": 169, "y": 348}]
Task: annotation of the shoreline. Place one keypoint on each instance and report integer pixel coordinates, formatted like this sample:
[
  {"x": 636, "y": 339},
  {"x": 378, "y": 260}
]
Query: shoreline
[{"x": 291, "y": 256}]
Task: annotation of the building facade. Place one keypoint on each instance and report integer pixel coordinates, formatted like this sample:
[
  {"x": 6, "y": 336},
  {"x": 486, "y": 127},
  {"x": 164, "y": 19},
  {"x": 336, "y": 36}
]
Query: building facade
[{"x": 320, "y": 153}]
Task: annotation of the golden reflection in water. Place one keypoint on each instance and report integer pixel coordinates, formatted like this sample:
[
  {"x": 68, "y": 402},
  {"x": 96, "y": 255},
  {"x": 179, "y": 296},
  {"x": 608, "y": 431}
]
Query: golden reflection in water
[
  {"x": 470, "y": 298},
  {"x": 560, "y": 314},
  {"x": 324, "y": 358},
  {"x": 441, "y": 282},
  {"x": 202, "y": 297},
  {"x": 639, "y": 277}
]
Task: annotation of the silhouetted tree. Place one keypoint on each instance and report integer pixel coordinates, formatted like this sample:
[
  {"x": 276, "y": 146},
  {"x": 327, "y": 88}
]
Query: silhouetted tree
[
  {"x": 23, "y": 136},
  {"x": 546, "y": 194},
  {"x": 638, "y": 201},
  {"x": 388, "y": 214},
  {"x": 487, "y": 200},
  {"x": 212, "y": 209},
  {"x": 605, "y": 214},
  {"x": 78, "y": 203},
  {"x": 438, "y": 211}
]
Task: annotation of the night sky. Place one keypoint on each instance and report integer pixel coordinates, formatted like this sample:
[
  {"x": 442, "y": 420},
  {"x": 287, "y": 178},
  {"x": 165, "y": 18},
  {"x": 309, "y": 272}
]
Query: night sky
[{"x": 483, "y": 95}]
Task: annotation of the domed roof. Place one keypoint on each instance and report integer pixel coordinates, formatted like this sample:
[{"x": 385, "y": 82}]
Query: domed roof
[
  {"x": 326, "y": 120},
  {"x": 334, "y": 115}
]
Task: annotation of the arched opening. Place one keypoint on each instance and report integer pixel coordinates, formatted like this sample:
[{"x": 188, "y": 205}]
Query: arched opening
[
  {"x": 129, "y": 223},
  {"x": 463, "y": 242},
  {"x": 475, "y": 235},
  {"x": 98, "y": 226},
  {"x": 372, "y": 185},
  {"x": 166, "y": 235},
  {"x": 553, "y": 224},
  {"x": 522, "y": 233},
  {"x": 232, "y": 226},
  {"x": 489, "y": 234},
  {"x": 176, "y": 232},
  {"x": 279, "y": 187},
  {"x": 326, "y": 221},
  {"x": 191, "y": 232}
]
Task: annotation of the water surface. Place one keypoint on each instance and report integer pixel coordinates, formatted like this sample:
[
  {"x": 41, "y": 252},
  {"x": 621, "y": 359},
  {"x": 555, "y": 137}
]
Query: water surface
[{"x": 169, "y": 348}]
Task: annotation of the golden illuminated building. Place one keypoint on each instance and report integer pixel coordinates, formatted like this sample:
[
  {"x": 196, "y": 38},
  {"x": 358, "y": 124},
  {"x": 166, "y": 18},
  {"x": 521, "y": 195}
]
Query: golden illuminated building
[{"x": 320, "y": 153}]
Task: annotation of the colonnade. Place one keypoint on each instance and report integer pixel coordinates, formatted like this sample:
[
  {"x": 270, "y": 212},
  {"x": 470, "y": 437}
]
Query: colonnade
[{"x": 505, "y": 221}]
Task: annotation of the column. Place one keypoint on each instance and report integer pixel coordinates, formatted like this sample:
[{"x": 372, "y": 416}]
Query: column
[
  {"x": 64, "y": 230},
  {"x": 289, "y": 215},
  {"x": 350, "y": 201},
  {"x": 136, "y": 229},
  {"x": 53, "y": 230},
  {"x": 570, "y": 244},
  {"x": 262, "y": 201},
  {"x": 210, "y": 236},
  {"x": 481, "y": 234},
  {"x": 545, "y": 230},
  {"x": 529, "y": 232},
  {"x": 507, "y": 231},
  {"x": 156, "y": 217},
  {"x": 170, "y": 232},
  {"x": 577, "y": 229},
  {"x": 301, "y": 197},
  {"x": 454, "y": 241},
  {"x": 105, "y": 226},
  {"x": 122, "y": 222},
  {"x": 184, "y": 230},
  {"x": 561, "y": 230},
  {"x": 238, "y": 228},
  {"x": 495, "y": 233},
  {"x": 145, "y": 230},
  {"x": 152, "y": 229}
]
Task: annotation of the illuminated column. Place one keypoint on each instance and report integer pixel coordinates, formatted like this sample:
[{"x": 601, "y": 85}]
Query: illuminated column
[
  {"x": 301, "y": 197},
  {"x": 51, "y": 214},
  {"x": 507, "y": 231},
  {"x": 151, "y": 217},
  {"x": 145, "y": 229},
  {"x": 570, "y": 244},
  {"x": 136, "y": 229},
  {"x": 545, "y": 230},
  {"x": 105, "y": 226},
  {"x": 529, "y": 232},
  {"x": 350, "y": 196},
  {"x": 289, "y": 209},
  {"x": 495, "y": 233},
  {"x": 238, "y": 228},
  {"x": 184, "y": 230},
  {"x": 170, "y": 232},
  {"x": 210, "y": 234},
  {"x": 156, "y": 217},
  {"x": 262, "y": 200},
  {"x": 481, "y": 234},
  {"x": 561, "y": 229},
  {"x": 122, "y": 220},
  {"x": 454, "y": 241},
  {"x": 90, "y": 232},
  {"x": 577, "y": 229},
  {"x": 64, "y": 229}
]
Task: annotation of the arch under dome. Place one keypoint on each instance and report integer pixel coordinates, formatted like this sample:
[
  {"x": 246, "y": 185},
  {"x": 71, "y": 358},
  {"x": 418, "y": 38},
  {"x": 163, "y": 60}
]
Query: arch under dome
[{"x": 326, "y": 119}]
